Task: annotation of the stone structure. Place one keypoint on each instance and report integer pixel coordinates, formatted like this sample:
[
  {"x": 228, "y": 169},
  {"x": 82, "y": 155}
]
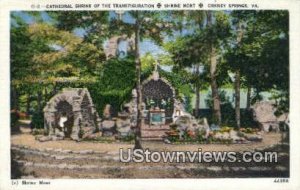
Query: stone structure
[
  {"x": 158, "y": 97},
  {"x": 69, "y": 112},
  {"x": 112, "y": 47},
  {"x": 264, "y": 114}
]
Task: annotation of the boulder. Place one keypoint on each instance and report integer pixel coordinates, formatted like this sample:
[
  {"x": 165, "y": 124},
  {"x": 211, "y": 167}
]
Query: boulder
[
  {"x": 253, "y": 137},
  {"x": 93, "y": 136},
  {"x": 56, "y": 138},
  {"x": 108, "y": 125},
  {"x": 264, "y": 114},
  {"x": 87, "y": 131},
  {"x": 124, "y": 114},
  {"x": 44, "y": 138},
  {"x": 214, "y": 127},
  {"x": 204, "y": 128},
  {"x": 167, "y": 141},
  {"x": 121, "y": 123},
  {"x": 183, "y": 122},
  {"x": 59, "y": 133},
  {"x": 235, "y": 136},
  {"x": 123, "y": 126},
  {"x": 108, "y": 133},
  {"x": 222, "y": 136},
  {"x": 124, "y": 131},
  {"x": 203, "y": 124},
  {"x": 226, "y": 135}
]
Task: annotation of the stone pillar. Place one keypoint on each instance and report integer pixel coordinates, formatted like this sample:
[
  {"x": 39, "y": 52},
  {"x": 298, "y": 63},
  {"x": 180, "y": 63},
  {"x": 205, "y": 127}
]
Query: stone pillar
[
  {"x": 51, "y": 123},
  {"x": 95, "y": 116},
  {"x": 77, "y": 118},
  {"x": 49, "y": 118}
]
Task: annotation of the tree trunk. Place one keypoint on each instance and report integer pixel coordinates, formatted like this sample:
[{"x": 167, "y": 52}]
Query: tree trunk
[
  {"x": 197, "y": 106},
  {"x": 15, "y": 99},
  {"x": 248, "y": 98},
  {"x": 45, "y": 94},
  {"x": 237, "y": 99},
  {"x": 238, "y": 82},
  {"x": 214, "y": 89},
  {"x": 137, "y": 144},
  {"x": 39, "y": 101},
  {"x": 213, "y": 68}
]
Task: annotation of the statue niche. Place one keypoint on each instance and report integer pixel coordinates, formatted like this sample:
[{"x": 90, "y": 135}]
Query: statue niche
[
  {"x": 69, "y": 112},
  {"x": 65, "y": 117},
  {"x": 158, "y": 97}
]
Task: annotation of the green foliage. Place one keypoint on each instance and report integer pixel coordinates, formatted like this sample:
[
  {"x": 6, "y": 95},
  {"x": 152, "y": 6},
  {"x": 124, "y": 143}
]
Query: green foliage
[
  {"x": 147, "y": 62},
  {"x": 128, "y": 138},
  {"x": 226, "y": 109},
  {"x": 48, "y": 56},
  {"x": 263, "y": 52},
  {"x": 37, "y": 120},
  {"x": 45, "y": 58},
  {"x": 95, "y": 22},
  {"x": 114, "y": 84},
  {"x": 14, "y": 118},
  {"x": 181, "y": 83}
]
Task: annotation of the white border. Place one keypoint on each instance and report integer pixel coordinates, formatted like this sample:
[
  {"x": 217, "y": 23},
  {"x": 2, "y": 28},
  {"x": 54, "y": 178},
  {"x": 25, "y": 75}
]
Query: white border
[{"x": 231, "y": 183}]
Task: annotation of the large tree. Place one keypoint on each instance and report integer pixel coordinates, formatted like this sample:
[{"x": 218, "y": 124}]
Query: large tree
[
  {"x": 141, "y": 25},
  {"x": 190, "y": 53},
  {"x": 43, "y": 56},
  {"x": 210, "y": 30},
  {"x": 261, "y": 55}
]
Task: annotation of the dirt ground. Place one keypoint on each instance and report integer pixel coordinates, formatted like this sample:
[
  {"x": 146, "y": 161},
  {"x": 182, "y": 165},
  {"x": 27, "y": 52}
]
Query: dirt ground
[
  {"x": 29, "y": 140},
  {"x": 105, "y": 163}
]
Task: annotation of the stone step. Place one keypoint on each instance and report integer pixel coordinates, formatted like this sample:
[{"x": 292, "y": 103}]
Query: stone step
[{"x": 163, "y": 127}]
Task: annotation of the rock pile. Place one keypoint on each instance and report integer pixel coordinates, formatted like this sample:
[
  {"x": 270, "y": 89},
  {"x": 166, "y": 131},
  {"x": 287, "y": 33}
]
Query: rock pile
[{"x": 187, "y": 125}]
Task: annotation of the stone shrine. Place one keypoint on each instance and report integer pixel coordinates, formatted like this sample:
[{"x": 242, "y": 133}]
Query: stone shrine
[
  {"x": 69, "y": 112},
  {"x": 158, "y": 97}
]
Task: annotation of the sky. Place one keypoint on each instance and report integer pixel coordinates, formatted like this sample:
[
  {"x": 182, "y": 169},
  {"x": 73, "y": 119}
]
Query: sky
[{"x": 146, "y": 46}]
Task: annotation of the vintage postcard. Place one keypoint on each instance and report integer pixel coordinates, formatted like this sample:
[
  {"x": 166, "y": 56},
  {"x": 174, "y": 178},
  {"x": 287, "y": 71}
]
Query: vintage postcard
[{"x": 150, "y": 94}]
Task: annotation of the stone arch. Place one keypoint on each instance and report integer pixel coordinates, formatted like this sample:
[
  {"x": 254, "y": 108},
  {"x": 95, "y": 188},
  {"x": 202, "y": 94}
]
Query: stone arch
[
  {"x": 75, "y": 106},
  {"x": 87, "y": 112},
  {"x": 61, "y": 98},
  {"x": 65, "y": 109},
  {"x": 159, "y": 90},
  {"x": 111, "y": 49}
]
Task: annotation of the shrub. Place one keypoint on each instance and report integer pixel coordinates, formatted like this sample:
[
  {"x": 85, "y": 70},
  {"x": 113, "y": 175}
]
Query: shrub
[
  {"x": 225, "y": 129},
  {"x": 128, "y": 138},
  {"x": 14, "y": 118},
  {"x": 114, "y": 84},
  {"x": 37, "y": 120}
]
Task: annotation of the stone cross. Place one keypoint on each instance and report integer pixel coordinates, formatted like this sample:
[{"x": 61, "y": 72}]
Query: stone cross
[{"x": 155, "y": 73}]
